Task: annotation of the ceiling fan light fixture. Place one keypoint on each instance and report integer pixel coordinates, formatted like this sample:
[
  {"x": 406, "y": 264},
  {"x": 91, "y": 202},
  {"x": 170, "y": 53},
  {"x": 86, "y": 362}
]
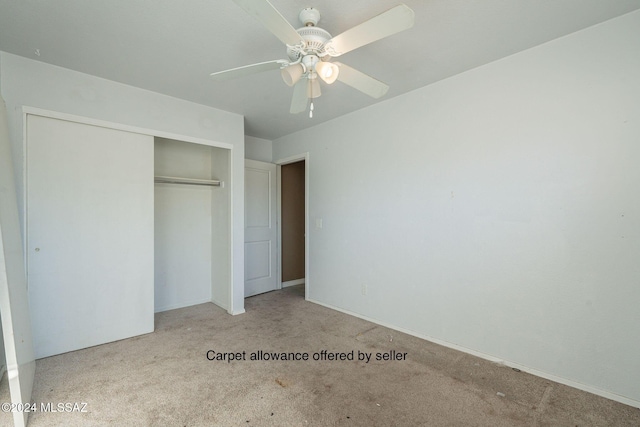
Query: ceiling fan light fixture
[
  {"x": 292, "y": 74},
  {"x": 327, "y": 71}
]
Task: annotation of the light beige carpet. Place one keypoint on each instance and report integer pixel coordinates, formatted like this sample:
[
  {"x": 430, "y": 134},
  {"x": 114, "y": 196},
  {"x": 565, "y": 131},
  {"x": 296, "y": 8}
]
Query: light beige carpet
[{"x": 166, "y": 379}]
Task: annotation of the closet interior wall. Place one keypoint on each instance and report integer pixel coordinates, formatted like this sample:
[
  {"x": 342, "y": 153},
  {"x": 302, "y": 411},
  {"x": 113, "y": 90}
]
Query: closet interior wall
[{"x": 192, "y": 226}]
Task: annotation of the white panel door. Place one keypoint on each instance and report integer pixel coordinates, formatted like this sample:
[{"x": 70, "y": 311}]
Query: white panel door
[
  {"x": 14, "y": 306},
  {"x": 260, "y": 254},
  {"x": 89, "y": 234}
]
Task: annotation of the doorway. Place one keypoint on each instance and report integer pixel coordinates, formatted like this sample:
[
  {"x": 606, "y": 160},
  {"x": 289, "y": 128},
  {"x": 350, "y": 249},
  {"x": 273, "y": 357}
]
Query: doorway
[
  {"x": 293, "y": 184},
  {"x": 292, "y": 205}
]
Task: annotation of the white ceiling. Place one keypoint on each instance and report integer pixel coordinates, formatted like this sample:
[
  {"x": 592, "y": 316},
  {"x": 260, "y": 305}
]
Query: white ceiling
[{"x": 170, "y": 46}]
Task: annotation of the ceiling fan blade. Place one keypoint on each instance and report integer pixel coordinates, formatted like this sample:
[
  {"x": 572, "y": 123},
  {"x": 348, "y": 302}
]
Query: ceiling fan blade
[
  {"x": 273, "y": 21},
  {"x": 359, "y": 80},
  {"x": 300, "y": 98},
  {"x": 248, "y": 69},
  {"x": 392, "y": 21}
]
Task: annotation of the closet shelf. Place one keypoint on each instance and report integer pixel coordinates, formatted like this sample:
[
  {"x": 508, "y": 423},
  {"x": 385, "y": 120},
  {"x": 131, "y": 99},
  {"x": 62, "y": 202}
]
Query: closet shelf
[{"x": 188, "y": 181}]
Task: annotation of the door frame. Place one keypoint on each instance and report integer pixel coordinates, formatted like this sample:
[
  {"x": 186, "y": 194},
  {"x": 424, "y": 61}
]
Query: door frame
[{"x": 279, "y": 163}]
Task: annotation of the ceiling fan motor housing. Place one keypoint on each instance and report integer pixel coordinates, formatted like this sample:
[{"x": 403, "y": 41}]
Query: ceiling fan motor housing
[{"x": 315, "y": 39}]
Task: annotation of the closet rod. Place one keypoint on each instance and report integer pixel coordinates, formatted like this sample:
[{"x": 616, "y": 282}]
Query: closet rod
[{"x": 188, "y": 181}]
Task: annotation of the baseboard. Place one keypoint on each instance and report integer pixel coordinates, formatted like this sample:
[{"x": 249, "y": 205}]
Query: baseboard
[
  {"x": 293, "y": 283},
  {"x": 181, "y": 305},
  {"x": 570, "y": 383},
  {"x": 189, "y": 304},
  {"x": 220, "y": 304}
]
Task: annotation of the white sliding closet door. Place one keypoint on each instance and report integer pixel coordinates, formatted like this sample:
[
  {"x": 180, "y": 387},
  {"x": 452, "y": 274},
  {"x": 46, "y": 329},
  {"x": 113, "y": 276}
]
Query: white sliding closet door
[{"x": 89, "y": 234}]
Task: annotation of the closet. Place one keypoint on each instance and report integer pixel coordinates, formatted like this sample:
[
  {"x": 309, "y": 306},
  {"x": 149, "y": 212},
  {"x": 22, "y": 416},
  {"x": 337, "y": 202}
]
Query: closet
[
  {"x": 107, "y": 245},
  {"x": 191, "y": 224}
]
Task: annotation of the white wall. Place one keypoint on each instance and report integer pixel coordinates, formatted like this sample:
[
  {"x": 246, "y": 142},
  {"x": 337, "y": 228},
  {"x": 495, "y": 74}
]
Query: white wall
[
  {"x": 258, "y": 149},
  {"x": 35, "y": 84},
  {"x": 497, "y": 211}
]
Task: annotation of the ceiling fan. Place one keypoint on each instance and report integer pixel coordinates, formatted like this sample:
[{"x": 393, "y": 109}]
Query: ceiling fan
[{"x": 310, "y": 50}]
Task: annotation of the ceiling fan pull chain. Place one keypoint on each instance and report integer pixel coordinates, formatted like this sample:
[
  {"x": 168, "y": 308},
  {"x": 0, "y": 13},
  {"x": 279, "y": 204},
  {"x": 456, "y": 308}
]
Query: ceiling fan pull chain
[{"x": 311, "y": 110}]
